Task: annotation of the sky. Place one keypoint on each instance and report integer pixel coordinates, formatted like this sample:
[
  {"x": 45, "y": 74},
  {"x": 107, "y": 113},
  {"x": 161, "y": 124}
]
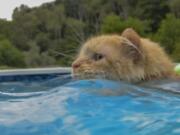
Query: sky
[{"x": 7, "y": 6}]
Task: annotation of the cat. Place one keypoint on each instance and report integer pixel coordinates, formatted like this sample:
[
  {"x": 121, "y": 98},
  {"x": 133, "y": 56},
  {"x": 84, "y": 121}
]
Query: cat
[{"x": 126, "y": 57}]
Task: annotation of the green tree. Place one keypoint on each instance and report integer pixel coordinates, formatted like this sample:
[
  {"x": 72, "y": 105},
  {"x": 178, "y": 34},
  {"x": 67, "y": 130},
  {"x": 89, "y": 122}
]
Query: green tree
[
  {"x": 151, "y": 10},
  {"x": 169, "y": 32},
  {"x": 54, "y": 31},
  {"x": 43, "y": 42},
  {"x": 34, "y": 58},
  {"x": 114, "y": 24},
  {"x": 176, "y": 52},
  {"x": 5, "y": 28},
  {"x": 9, "y": 55},
  {"x": 175, "y": 7},
  {"x": 76, "y": 30}
]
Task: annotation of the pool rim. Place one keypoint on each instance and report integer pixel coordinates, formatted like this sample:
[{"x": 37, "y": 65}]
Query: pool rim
[{"x": 35, "y": 71}]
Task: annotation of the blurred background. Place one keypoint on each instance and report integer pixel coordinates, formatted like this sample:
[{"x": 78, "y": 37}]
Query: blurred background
[{"x": 51, "y": 34}]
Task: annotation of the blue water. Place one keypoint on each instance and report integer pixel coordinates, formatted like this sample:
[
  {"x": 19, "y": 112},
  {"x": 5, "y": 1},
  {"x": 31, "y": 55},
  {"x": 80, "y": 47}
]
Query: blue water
[{"x": 61, "y": 106}]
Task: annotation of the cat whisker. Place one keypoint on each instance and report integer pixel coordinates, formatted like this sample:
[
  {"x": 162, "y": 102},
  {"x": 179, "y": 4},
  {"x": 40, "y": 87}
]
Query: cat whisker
[
  {"x": 71, "y": 51},
  {"x": 62, "y": 54}
]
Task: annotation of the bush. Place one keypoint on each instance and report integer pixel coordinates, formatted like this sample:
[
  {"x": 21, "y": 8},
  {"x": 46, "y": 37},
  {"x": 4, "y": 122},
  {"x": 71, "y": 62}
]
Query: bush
[
  {"x": 9, "y": 55},
  {"x": 114, "y": 24},
  {"x": 175, "y": 7},
  {"x": 34, "y": 58},
  {"x": 169, "y": 32},
  {"x": 176, "y": 53}
]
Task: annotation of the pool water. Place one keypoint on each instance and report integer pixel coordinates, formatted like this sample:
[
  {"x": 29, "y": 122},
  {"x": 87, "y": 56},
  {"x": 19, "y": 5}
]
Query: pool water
[{"x": 62, "y": 106}]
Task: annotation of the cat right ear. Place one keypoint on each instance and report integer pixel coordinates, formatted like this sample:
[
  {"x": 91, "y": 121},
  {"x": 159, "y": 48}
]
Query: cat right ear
[
  {"x": 132, "y": 36},
  {"x": 132, "y": 47}
]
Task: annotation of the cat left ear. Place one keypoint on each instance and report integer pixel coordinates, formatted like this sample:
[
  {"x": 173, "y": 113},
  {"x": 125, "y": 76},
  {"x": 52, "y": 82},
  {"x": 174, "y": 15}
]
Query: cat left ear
[{"x": 132, "y": 36}]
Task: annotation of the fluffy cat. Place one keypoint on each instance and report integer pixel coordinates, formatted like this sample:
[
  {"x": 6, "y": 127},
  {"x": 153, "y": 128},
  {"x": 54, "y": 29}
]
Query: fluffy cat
[{"x": 126, "y": 57}]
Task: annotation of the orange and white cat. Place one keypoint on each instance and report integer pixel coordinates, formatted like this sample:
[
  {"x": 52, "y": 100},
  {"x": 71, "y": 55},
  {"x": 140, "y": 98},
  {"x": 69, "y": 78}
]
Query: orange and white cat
[{"x": 126, "y": 57}]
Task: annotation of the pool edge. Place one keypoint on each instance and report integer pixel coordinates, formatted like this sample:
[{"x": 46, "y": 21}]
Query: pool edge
[{"x": 35, "y": 71}]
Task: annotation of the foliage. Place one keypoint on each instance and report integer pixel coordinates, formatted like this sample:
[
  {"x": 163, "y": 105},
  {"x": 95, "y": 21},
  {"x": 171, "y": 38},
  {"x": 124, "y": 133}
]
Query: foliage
[
  {"x": 151, "y": 10},
  {"x": 176, "y": 53},
  {"x": 34, "y": 58},
  {"x": 175, "y": 7},
  {"x": 169, "y": 32},
  {"x": 52, "y": 33},
  {"x": 9, "y": 55},
  {"x": 114, "y": 24}
]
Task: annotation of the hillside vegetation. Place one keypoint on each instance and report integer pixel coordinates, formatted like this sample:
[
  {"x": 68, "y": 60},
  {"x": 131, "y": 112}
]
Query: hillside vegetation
[{"x": 50, "y": 35}]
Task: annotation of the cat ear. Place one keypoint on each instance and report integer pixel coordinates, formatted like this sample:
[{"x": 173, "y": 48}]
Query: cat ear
[
  {"x": 132, "y": 47},
  {"x": 132, "y": 36}
]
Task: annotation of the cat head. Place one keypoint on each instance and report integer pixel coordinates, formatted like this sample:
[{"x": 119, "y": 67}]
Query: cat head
[{"x": 118, "y": 57}]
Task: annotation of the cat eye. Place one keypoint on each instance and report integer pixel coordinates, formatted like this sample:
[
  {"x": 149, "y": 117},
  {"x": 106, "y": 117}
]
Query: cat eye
[{"x": 97, "y": 56}]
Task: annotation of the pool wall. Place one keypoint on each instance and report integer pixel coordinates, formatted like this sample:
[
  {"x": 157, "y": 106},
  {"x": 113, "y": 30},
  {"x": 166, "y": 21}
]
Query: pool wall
[{"x": 35, "y": 74}]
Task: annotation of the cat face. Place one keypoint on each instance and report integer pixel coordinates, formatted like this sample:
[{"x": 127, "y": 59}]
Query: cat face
[{"x": 109, "y": 56}]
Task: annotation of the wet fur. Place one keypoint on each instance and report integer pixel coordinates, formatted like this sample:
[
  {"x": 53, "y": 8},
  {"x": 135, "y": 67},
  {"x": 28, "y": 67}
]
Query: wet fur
[{"x": 127, "y": 57}]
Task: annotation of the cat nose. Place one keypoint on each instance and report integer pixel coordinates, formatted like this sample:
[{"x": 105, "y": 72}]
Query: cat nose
[{"x": 76, "y": 65}]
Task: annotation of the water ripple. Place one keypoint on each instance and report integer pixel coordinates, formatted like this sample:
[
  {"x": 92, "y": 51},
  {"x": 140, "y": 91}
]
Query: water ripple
[{"x": 87, "y": 107}]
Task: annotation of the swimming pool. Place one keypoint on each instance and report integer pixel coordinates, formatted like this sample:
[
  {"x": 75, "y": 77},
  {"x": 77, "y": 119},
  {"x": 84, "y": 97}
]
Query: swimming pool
[{"x": 55, "y": 104}]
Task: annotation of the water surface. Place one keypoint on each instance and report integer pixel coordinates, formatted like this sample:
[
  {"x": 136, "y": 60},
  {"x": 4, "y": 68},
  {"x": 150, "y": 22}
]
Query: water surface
[{"x": 62, "y": 106}]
